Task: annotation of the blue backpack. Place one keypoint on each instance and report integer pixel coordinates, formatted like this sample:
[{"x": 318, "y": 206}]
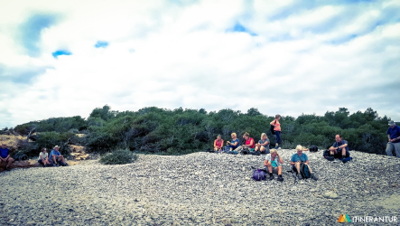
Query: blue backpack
[{"x": 259, "y": 175}]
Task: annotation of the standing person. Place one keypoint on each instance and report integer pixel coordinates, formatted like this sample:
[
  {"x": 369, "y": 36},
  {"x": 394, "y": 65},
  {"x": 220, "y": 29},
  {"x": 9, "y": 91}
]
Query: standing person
[
  {"x": 274, "y": 162},
  {"x": 299, "y": 158},
  {"x": 44, "y": 158},
  {"x": 277, "y": 129},
  {"x": 263, "y": 144},
  {"x": 232, "y": 145},
  {"x": 340, "y": 148},
  {"x": 5, "y": 156},
  {"x": 393, "y": 133},
  {"x": 56, "y": 157},
  {"x": 218, "y": 143}
]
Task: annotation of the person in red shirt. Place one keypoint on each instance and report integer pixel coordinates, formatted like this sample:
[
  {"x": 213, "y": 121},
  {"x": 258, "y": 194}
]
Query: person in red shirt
[
  {"x": 277, "y": 129},
  {"x": 250, "y": 144},
  {"x": 218, "y": 143}
]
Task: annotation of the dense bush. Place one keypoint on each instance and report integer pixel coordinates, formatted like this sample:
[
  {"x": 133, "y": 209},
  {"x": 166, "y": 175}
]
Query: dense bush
[
  {"x": 62, "y": 124},
  {"x": 45, "y": 140},
  {"x": 120, "y": 156},
  {"x": 163, "y": 131}
]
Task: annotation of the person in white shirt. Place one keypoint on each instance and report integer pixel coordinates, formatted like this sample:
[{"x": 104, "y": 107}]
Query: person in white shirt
[{"x": 44, "y": 158}]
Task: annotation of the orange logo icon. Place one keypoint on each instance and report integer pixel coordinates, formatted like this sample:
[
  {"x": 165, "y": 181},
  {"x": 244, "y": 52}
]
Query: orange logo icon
[{"x": 344, "y": 218}]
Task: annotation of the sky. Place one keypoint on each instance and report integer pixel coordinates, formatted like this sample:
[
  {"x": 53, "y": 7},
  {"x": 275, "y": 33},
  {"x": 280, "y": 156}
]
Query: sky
[{"x": 65, "y": 58}]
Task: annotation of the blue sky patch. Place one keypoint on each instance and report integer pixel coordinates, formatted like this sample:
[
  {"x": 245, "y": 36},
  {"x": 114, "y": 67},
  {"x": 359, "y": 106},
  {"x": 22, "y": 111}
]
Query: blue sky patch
[
  {"x": 343, "y": 39},
  {"x": 240, "y": 28},
  {"x": 60, "y": 52},
  {"x": 30, "y": 32},
  {"x": 101, "y": 44}
]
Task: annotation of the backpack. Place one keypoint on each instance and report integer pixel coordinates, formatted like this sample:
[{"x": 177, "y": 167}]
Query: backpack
[
  {"x": 259, "y": 175},
  {"x": 313, "y": 148},
  {"x": 327, "y": 156},
  {"x": 272, "y": 129},
  {"x": 305, "y": 171},
  {"x": 245, "y": 151}
]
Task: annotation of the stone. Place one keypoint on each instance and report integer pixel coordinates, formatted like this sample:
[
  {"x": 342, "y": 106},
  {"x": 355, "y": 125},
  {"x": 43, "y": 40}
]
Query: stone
[{"x": 330, "y": 195}]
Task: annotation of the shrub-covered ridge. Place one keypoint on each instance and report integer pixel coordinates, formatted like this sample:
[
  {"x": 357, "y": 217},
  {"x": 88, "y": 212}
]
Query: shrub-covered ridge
[{"x": 179, "y": 131}]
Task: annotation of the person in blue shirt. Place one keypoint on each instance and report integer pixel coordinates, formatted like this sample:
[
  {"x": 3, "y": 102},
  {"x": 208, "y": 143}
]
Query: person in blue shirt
[
  {"x": 299, "y": 158},
  {"x": 5, "y": 156},
  {"x": 56, "y": 157},
  {"x": 393, "y": 133},
  {"x": 263, "y": 145},
  {"x": 340, "y": 148},
  {"x": 232, "y": 145}
]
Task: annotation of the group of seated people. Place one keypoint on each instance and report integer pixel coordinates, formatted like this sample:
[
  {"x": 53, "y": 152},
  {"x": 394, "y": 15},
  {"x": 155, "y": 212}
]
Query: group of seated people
[
  {"x": 273, "y": 162},
  {"x": 233, "y": 146},
  {"x": 54, "y": 159}
]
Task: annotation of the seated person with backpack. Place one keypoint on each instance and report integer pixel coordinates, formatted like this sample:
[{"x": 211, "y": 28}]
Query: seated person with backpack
[
  {"x": 263, "y": 144},
  {"x": 248, "y": 146},
  {"x": 340, "y": 149},
  {"x": 232, "y": 145},
  {"x": 298, "y": 161},
  {"x": 218, "y": 143},
  {"x": 274, "y": 162},
  {"x": 56, "y": 157}
]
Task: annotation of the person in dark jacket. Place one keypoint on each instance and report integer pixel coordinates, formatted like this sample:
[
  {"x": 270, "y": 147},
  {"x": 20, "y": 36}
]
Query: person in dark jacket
[{"x": 393, "y": 133}]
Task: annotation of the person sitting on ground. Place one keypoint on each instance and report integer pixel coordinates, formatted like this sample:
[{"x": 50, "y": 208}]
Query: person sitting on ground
[
  {"x": 249, "y": 142},
  {"x": 44, "y": 158},
  {"x": 232, "y": 145},
  {"x": 5, "y": 156},
  {"x": 218, "y": 143},
  {"x": 273, "y": 162},
  {"x": 340, "y": 148},
  {"x": 393, "y": 133},
  {"x": 263, "y": 144},
  {"x": 56, "y": 157},
  {"x": 277, "y": 130},
  {"x": 299, "y": 158}
]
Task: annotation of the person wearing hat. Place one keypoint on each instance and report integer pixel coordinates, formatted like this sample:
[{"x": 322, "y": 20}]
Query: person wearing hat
[
  {"x": 56, "y": 157},
  {"x": 5, "y": 156},
  {"x": 299, "y": 158},
  {"x": 393, "y": 133}
]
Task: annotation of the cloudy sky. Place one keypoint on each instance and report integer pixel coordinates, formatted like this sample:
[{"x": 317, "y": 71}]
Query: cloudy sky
[{"x": 65, "y": 58}]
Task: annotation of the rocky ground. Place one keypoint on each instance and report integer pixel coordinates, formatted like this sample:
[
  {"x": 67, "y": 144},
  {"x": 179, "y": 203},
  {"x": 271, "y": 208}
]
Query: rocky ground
[{"x": 200, "y": 189}]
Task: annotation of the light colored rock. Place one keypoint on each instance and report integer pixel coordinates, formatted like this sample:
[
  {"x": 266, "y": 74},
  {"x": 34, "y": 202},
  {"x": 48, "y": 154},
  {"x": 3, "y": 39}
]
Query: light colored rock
[{"x": 330, "y": 195}]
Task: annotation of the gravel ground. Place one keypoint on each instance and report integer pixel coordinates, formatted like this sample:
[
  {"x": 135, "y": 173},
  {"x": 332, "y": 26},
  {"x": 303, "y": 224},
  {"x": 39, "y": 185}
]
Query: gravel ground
[{"x": 200, "y": 189}]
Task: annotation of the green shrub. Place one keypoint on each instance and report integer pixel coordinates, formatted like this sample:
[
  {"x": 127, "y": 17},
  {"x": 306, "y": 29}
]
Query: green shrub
[
  {"x": 121, "y": 156},
  {"x": 181, "y": 131}
]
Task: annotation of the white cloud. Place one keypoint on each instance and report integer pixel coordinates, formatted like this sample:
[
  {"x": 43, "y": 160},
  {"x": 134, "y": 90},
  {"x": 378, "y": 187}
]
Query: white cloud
[{"x": 171, "y": 56}]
